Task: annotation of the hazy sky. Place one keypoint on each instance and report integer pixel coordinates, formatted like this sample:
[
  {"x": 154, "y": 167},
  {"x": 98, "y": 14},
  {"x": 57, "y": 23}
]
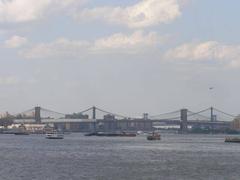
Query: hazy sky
[{"x": 128, "y": 56}]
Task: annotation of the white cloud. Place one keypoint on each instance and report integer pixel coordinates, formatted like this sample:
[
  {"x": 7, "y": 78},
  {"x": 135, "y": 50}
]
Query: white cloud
[
  {"x": 143, "y": 14},
  {"x": 21, "y": 11},
  {"x": 138, "y": 42},
  {"x": 29, "y": 10},
  {"x": 228, "y": 55},
  {"x": 127, "y": 43},
  {"x": 15, "y": 42}
]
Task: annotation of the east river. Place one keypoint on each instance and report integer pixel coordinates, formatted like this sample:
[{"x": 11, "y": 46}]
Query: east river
[{"x": 76, "y": 157}]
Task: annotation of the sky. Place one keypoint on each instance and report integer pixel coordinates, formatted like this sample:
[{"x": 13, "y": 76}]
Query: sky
[{"x": 128, "y": 56}]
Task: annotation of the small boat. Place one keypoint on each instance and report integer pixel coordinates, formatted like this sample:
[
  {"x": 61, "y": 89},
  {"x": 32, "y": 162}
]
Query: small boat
[
  {"x": 54, "y": 135},
  {"x": 232, "y": 139},
  {"x": 154, "y": 136}
]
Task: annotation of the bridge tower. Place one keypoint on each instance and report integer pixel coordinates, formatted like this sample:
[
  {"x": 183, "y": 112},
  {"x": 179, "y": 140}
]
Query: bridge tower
[
  {"x": 94, "y": 118},
  {"x": 145, "y": 116},
  {"x": 94, "y": 112},
  {"x": 212, "y": 119},
  {"x": 37, "y": 114},
  {"x": 184, "y": 123}
]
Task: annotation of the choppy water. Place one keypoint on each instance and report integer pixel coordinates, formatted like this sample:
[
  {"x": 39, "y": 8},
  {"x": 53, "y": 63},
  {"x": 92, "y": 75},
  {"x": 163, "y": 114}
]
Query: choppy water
[{"x": 176, "y": 157}]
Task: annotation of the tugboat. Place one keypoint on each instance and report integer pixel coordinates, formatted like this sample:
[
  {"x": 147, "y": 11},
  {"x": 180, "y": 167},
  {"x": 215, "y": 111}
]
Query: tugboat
[
  {"x": 154, "y": 136},
  {"x": 21, "y": 130},
  {"x": 232, "y": 139},
  {"x": 54, "y": 134}
]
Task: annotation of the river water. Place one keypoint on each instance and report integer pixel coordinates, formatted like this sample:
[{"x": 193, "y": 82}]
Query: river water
[{"x": 175, "y": 157}]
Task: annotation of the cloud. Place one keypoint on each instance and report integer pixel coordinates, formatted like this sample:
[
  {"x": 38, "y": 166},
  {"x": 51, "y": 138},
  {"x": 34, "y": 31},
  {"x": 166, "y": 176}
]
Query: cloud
[
  {"x": 15, "y": 42},
  {"x": 29, "y": 10},
  {"x": 21, "y": 11},
  {"x": 143, "y": 14},
  {"x": 137, "y": 42},
  {"x": 228, "y": 55},
  {"x": 127, "y": 43}
]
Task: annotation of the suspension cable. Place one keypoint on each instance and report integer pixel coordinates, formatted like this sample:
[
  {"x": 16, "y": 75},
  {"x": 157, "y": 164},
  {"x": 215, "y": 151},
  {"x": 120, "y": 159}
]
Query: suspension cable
[
  {"x": 165, "y": 114},
  {"x": 194, "y": 113},
  {"x": 29, "y": 110},
  {"x": 52, "y": 111},
  {"x": 225, "y": 113},
  {"x": 86, "y": 110}
]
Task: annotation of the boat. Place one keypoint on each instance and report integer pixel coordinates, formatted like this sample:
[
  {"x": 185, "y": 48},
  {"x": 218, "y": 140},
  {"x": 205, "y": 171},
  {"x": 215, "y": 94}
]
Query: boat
[
  {"x": 154, "y": 136},
  {"x": 54, "y": 135},
  {"x": 125, "y": 134},
  {"x": 22, "y": 133},
  {"x": 9, "y": 131},
  {"x": 232, "y": 139},
  {"x": 91, "y": 134},
  {"x": 111, "y": 134},
  {"x": 21, "y": 130}
]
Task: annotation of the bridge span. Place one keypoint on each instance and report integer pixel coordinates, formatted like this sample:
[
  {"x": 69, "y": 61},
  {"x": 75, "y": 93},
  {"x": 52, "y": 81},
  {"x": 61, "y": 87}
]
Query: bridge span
[{"x": 183, "y": 118}]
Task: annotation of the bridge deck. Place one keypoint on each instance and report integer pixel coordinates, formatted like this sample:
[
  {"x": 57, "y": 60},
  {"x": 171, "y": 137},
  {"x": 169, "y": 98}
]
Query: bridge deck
[{"x": 177, "y": 122}]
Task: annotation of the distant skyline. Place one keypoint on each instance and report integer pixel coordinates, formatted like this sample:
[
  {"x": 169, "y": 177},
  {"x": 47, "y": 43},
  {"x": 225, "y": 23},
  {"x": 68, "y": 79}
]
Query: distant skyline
[{"x": 129, "y": 56}]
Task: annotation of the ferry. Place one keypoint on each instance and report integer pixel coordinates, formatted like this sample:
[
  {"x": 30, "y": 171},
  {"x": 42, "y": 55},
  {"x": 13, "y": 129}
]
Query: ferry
[
  {"x": 54, "y": 135},
  {"x": 232, "y": 139},
  {"x": 21, "y": 130},
  {"x": 154, "y": 136}
]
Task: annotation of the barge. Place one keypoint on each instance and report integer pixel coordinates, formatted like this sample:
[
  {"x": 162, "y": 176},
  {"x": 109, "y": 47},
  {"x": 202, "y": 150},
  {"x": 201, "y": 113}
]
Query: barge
[
  {"x": 112, "y": 134},
  {"x": 232, "y": 139}
]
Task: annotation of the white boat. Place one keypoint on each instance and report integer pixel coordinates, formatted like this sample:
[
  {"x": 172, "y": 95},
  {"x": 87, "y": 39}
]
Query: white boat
[
  {"x": 21, "y": 130},
  {"x": 54, "y": 135}
]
